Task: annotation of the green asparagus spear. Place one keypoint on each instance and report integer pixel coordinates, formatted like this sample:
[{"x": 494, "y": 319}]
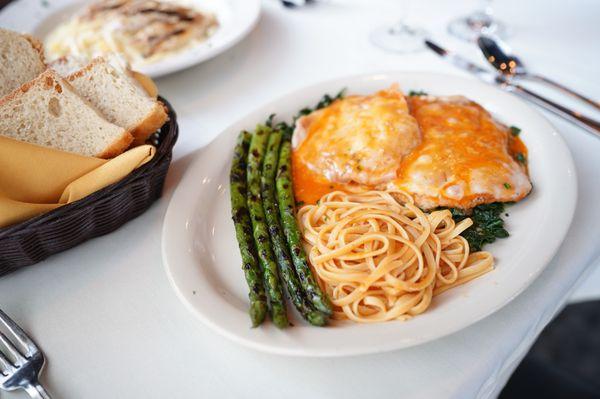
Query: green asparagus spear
[
  {"x": 243, "y": 230},
  {"x": 282, "y": 254},
  {"x": 260, "y": 230},
  {"x": 285, "y": 198}
]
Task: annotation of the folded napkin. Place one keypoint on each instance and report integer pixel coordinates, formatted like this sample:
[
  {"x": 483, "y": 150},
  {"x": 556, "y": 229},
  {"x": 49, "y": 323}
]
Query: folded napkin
[{"x": 35, "y": 179}]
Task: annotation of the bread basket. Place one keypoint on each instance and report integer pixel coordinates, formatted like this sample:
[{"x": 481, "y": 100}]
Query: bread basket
[{"x": 99, "y": 213}]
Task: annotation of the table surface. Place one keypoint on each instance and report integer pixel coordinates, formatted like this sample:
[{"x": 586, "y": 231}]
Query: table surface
[{"x": 111, "y": 325}]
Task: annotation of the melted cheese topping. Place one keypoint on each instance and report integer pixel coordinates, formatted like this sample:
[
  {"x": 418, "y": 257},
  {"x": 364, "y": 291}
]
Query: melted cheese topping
[
  {"x": 356, "y": 141},
  {"x": 466, "y": 158},
  {"x": 450, "y": 152}
]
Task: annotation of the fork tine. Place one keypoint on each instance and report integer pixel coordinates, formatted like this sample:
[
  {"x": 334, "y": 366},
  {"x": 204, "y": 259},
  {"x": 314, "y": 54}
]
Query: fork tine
[
  {"x": 12, "y": 350},
  {"x": 5, "y": 365},
  {"x": 20, "y": 335}
]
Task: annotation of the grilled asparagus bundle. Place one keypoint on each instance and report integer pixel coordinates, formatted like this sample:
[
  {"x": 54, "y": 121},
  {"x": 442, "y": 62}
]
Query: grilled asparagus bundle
[
  {"x": 271, "y": 247},
  {"x": 260, "y": 229},
  {"x": 280, "y": 246},
  {"x": 243, "y": 230},
  {"x": 270, "y": 242},
  {"x": 285, "y": 197}
]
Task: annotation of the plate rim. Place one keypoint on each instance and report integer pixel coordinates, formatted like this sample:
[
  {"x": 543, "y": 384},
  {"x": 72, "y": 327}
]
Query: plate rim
[
  {"x": 376, "y": 348},
  {"x": 213, "y": 51}
]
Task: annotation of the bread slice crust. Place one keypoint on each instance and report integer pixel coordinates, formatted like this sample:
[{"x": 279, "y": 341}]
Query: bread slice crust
[
  {"x": 49, "y": 80},
  {"x": 37, "y": 46},
  {"x": 23, "y": 58},
  {"x": 117, "y": 147},
  {"x": 148, "y": 121},
  {"x": 153, "y": 121}
]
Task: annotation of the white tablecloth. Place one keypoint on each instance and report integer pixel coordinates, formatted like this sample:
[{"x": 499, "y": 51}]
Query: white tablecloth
[{"x": 111, "y": 325}]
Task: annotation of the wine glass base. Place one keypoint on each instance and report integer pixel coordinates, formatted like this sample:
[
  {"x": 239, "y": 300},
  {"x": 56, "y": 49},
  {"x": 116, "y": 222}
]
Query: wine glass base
[
  {"x": 471, "y": 27},
  {"x": 398, "y": 39}
]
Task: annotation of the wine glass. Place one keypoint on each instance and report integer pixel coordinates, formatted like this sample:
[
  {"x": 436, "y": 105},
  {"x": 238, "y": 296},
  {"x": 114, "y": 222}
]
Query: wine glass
[
  {"x": 479, "y": 22},
  {"x": 399, "y": 37}
]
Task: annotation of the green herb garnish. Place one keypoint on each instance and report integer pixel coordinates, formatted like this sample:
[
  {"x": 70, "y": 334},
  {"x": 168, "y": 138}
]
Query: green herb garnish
[
  {"x": 269, "y": 121},
  {"x": 515, "y": 131},
  {"x": 413, "y": 93},
  {"x": 325, "y": 101},
  {"x": 487, "y": 224},
  {"x": 520, "y": 158},
  {"x": 507, "y": 186}
]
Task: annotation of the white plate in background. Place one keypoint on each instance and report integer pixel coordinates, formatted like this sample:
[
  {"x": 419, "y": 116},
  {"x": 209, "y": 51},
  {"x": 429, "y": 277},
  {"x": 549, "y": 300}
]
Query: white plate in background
[
  {"x": 236, "y": 19},
  {"x": 202, "y": 260}
]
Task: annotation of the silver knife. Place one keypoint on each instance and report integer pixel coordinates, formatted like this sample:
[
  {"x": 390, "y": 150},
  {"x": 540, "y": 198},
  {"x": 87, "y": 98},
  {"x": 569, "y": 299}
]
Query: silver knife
[{"x": 590, "y": 125}]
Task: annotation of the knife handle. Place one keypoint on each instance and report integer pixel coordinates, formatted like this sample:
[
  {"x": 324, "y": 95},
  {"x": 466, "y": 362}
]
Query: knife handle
[
  {"x": 589, "y": 124},
  {"x": 561, "y": 87}
]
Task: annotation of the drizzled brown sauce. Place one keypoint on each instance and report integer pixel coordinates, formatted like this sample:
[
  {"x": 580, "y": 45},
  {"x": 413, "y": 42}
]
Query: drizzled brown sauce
[{"x": 153, "y": 26}]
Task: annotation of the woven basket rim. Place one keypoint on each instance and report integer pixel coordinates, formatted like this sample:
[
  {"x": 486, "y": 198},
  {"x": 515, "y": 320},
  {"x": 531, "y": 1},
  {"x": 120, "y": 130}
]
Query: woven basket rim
[{"x": 163, "y": 150}]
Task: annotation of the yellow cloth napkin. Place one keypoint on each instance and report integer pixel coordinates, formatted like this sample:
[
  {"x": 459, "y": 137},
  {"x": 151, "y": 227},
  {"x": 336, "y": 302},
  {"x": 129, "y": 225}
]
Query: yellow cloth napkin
[{"x": 35, "y": 179}]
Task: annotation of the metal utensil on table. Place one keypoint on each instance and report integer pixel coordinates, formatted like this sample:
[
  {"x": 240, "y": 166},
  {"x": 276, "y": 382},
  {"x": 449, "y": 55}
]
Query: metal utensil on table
[
  {"x": 296, "y": 3},
  {"x": 589, "y": 124},
  {"x": 21, "y": 361},
  {"x": 500, "y": 57}
]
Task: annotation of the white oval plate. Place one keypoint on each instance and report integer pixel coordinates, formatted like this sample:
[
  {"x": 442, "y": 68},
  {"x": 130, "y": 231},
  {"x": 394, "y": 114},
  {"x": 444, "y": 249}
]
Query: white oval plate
[
  {"x": 203, "y": 263},
  {"x": 236, "y": 19}
]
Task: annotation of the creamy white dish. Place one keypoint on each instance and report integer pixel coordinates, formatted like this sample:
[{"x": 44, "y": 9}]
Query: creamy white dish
[{"x": 142, "y": 31}]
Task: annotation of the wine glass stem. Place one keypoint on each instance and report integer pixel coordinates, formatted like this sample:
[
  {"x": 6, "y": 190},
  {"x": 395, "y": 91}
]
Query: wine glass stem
[
  {"x": 488, "y": 9},
  {"x": 480, "y": 21},
  {"x": 484, "y": 18},
  {"x": 400, "y": 24}
]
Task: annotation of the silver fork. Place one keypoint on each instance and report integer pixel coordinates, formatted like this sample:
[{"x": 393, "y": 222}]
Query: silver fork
[{"x": 20, "y": 368}]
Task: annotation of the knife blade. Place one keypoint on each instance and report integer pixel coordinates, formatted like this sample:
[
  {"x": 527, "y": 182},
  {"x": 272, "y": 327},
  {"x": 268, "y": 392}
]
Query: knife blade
[
  {"x": 584, "y": 122},
  {"x": 463, "y": 63}
]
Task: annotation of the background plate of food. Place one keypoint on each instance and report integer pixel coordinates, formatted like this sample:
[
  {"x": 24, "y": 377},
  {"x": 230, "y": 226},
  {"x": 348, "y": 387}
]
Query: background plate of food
[
  {"x": 401, "y": 210},
  {"x": 156, "y": 37}
]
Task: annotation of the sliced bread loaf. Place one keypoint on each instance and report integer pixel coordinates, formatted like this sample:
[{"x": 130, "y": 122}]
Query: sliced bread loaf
[
  {"x": 21, "y": 60},
  {"x": 67, "y": 65},
  {"x": 47, "y": 111},
  {"x": 120, "y": 98}
]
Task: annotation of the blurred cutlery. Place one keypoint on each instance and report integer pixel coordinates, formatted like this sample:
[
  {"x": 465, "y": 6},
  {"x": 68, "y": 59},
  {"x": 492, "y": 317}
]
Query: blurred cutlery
[
  {"x": 20, "y": 367},
  {"x": 499, "y": 55},
  {"x": 589, "y": 124},
  {"x": 296, "y": 3}
]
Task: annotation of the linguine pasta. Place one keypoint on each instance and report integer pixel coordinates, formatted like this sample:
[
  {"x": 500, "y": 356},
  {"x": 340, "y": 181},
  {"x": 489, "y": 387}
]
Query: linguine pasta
[{"x": 379, "y": 257}]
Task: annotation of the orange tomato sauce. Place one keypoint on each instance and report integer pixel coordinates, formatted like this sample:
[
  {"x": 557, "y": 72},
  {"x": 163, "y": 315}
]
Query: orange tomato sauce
[{"x": 309, "y": 186}]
